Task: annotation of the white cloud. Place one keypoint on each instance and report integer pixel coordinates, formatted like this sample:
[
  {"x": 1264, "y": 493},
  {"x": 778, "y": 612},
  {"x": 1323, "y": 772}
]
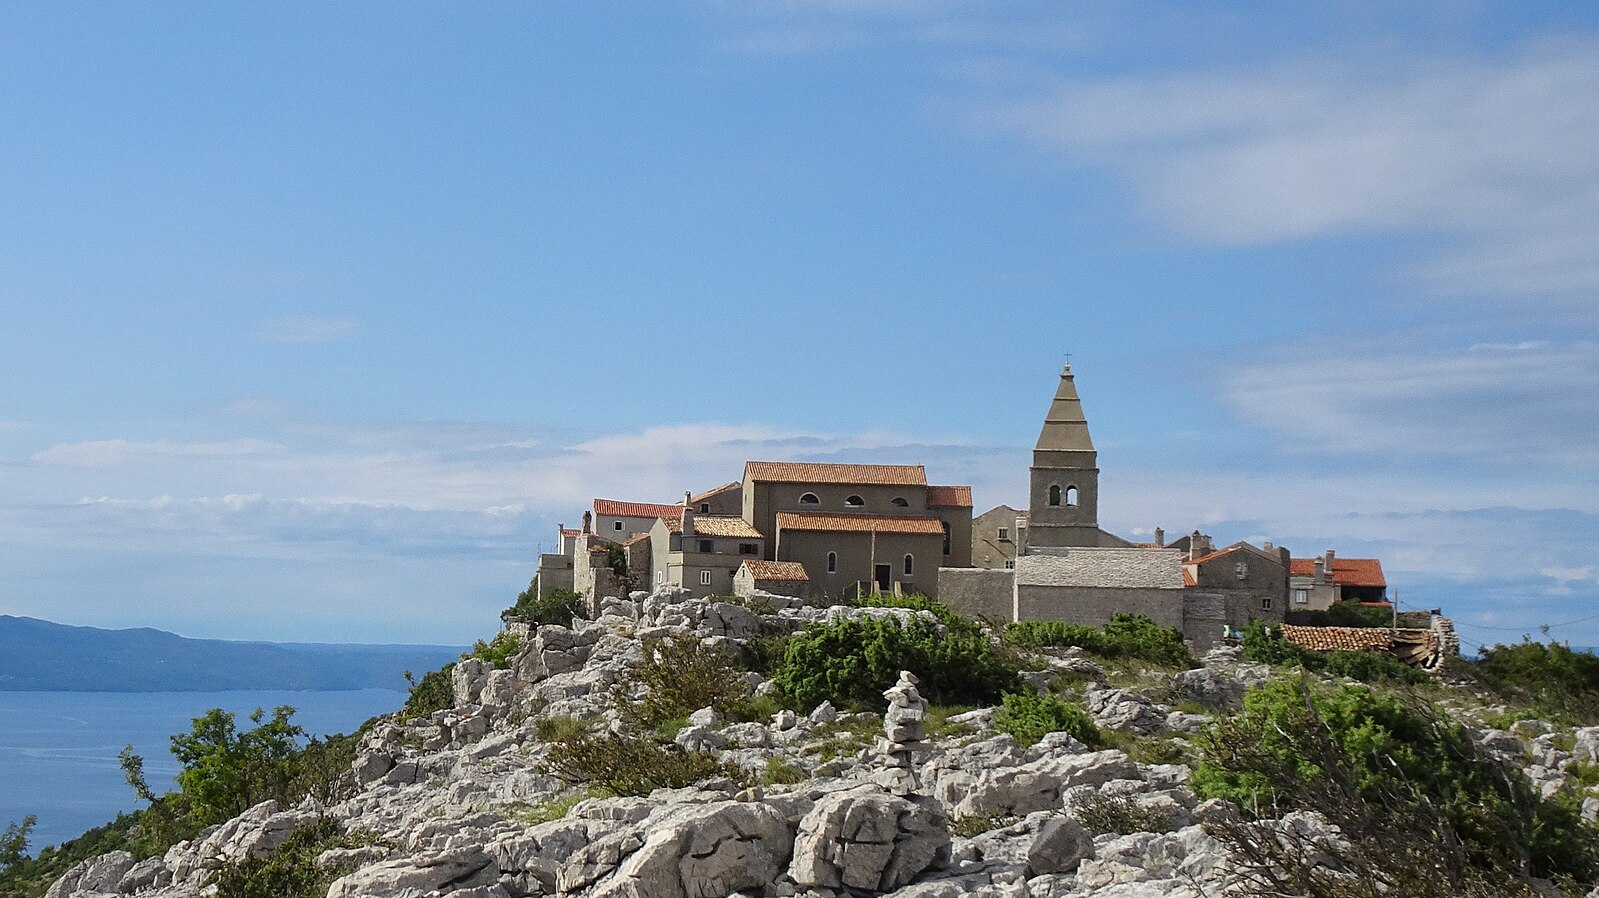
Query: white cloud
[
  {"x": 309, "y": 330},
  {"x": 117, "y": 453},
  {"x": 1497, "y": 154},
  {"x": 1524, "y": 404}
]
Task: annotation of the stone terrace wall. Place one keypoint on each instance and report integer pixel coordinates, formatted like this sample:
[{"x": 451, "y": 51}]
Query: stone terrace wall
[{"x": 977, "y": 592}]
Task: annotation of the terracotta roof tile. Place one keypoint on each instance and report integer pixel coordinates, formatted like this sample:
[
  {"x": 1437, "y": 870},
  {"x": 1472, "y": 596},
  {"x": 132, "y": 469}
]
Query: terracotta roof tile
[
  {"x": 572, "y": 531},
  {"x": 636, "y": 538},
  {"x": 858, "y": 523},
  {"x": 1339, "y": 639},
  {"x": 1346, "y": 571},
  {"x": 617, "y": 509},
  {"x": 813, "y": 472},
  {"x": 777, "y": 570},
  {"x": 1189, "y": 578},
  {"x": 715, "y": 525},
  {"x": 950, "y": 496},
  {"x": 716, "y": 491}
]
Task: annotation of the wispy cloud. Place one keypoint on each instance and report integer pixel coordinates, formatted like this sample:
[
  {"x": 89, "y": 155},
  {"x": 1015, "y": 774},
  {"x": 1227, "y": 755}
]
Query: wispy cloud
[
  {"x": 1526, "y": 403},
  {"x": 1496, "y": 154},
  {"x": 309, "y": 330}
]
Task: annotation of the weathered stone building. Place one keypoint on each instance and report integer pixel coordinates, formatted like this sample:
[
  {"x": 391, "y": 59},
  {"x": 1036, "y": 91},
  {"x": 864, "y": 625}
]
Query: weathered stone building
[{"x": 998, "y": 535}]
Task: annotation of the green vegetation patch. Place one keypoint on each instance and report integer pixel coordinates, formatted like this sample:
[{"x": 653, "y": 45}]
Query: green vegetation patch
[
  {"x": 1131, "y": 636},
  {"x": 851, "y": 662},
  {"x": 1030, "y": 716},
  {"x": 632, "y": 765},
  {"x": 435, "y": 692},
  {"x": 291, "y": 871},
  {"x": 1555, "y": 682},
  {"x": 499, "y": 652},
  {"x": 559, "y": 608}
]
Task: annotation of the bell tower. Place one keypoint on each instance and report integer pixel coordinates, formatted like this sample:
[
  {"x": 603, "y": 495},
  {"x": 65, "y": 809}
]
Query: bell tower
[{"x": 1064, "y": 498}]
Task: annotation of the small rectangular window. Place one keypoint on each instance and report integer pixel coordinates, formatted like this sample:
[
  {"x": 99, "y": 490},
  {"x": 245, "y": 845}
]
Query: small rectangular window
[
  {"x": 1301, "y": 597},
  {"x": 707, "y": 546},
  {"x": 617, "y": 525},
  {"x": 1010, "y": 565},
  {"x": 1265, "y": 603},
  {"x": 1004, "y": 534},
  {"x": 705, "y": 578},
  {"x": 746, "y": 549}
]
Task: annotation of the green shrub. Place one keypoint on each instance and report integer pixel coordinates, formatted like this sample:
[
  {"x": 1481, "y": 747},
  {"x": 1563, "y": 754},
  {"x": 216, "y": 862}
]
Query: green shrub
[
  {"x": 680, "y": 675},
  {"x": 560, "y": 728},
  {"x": 1029, "y": 716},
  {"x": 558, "y": 608},
  {"x": 971, "y": 827},
  {"x": 851, "y": 662},
  {"x": 14, "y": 843},
  {"x": 1126, "y": 636},
  {"x": 1556, "y": 682},
  {"x": 1267, "y": 645},
  {"x": 781, "y": 772},
  {"x": 291, "y": 870},
  {"x": 435, "y": 692},
  {"x": 1122, "y": 816},
  {"x": 1345, "y": 614},
  {"x": 499, "y": 652},
  {"x": 227, "y": 771},
  {"x": 632, "y": 765},
  {"x": 1388, "y": 771}
]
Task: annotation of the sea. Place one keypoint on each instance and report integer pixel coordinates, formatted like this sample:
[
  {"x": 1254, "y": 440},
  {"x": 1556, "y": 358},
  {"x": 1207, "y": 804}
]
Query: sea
[{"x": 58, "y": 750}]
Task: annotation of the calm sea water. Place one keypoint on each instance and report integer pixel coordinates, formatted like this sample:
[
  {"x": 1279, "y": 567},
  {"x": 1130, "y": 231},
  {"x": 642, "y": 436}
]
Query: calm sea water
[{"x": 58, "y": 750}]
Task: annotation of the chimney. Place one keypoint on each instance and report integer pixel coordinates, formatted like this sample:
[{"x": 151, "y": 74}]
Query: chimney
[
  {"x": 688, "y": 515},
  {"x": 1268, "y": 546},
  {"x": 1160, "y": 538},
  {"x": 588, "y": 522},
  {"x": 1327, "y": 566}
]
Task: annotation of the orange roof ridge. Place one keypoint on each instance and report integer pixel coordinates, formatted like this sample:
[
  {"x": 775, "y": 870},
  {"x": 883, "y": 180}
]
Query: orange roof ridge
[
  {"x": 827, "y": 472},
  {"x": 858, "y": 523},
  {"x": 617, "y": 508}
]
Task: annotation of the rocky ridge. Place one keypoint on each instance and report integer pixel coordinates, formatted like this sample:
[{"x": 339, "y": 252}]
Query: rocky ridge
[{"x": 458, "y": 801}]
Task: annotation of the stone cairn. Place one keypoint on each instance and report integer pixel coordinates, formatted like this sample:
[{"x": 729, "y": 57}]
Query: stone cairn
[{"x": 903, "y": 725}]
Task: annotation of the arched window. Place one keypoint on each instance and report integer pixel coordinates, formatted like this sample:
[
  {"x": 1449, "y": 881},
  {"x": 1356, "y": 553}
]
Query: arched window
[
  {"x": 1071, "y": 496},
  {"x": 832, "y": 562},
  {"x": 809, "y": 499},
  {"x": 854, "y": 502},
  {"x": 946, "y": 537},
  {"x": 1054, "y": 494},
  {"x": 910, "y": 565},
  {"x": 899, "y": 502}
]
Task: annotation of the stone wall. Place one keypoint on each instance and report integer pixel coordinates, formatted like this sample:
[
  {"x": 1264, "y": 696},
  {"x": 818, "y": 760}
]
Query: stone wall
[
  {"x": 1093, "y": 606},
  {"x": 978, "y": 592}
]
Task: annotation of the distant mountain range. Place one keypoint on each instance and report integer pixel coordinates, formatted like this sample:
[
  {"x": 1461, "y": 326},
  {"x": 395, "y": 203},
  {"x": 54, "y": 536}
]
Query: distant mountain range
[{"x": 40, "y": 656}]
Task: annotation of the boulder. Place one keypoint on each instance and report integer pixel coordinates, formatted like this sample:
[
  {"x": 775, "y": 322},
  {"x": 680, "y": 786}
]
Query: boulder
[
  {"x": 865, "y": 839},
  {"x": 97, "y": 874},
  {"x": 1125, "y": 710},
  {"x": 414, "y": 877},
  {"x": 702, "y": 851}
]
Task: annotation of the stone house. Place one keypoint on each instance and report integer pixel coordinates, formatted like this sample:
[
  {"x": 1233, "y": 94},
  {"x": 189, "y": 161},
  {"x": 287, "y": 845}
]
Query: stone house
[
  {"x": 784, "y": 578},
  {"x": 1224, "y": 590},
  {"x": 726, "y": 500},
  {"x": 701, "y": 552},
  {"x": 997, "y": 537},
  {"x": 620, "y": 521},
  {"x": 859, "y": 527},
  {"x": 1314, "y": 584},
  {"x": 1089, "y": 584}
]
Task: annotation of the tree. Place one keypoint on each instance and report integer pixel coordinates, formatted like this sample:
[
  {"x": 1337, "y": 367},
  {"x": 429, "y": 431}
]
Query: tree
[
  {"x": 14, "y": 842},
  {"x": 226, "y": 772}
]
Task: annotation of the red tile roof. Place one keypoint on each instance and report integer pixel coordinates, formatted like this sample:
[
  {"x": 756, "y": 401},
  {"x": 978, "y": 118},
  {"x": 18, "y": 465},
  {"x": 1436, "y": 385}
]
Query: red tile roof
[
  {"x": 715, "y": 525},
  {"x": 1189, "y": 578},
  {"x": 1339, "y": 639},
  {"x": 858, "y": 523},
  {"x": 716, "y": 491},
  {"x": 777, "y": 570},
  {"x": 615, "y": 509},
  {"x": 1346, "y": 571},
  {"x": 811, "y": 472},
  {"x": 565, "y": 531},
  {"x": 950, "y": 496}
]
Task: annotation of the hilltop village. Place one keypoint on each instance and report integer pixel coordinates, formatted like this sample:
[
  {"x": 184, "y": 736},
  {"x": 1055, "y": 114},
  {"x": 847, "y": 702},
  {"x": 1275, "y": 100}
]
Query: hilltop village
[{"x": 829, "y": 532}]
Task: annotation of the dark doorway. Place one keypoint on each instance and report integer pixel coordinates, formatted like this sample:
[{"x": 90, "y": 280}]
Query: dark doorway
[{"x": 884, "y": 577}]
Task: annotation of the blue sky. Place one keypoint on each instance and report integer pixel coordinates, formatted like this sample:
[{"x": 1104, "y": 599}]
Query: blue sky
[{"x": 318, "y": 318}]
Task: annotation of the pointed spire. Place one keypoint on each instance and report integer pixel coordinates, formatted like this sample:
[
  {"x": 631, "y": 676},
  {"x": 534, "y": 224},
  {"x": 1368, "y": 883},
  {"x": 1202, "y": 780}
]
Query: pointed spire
[{"x": 1065, "y": 427}]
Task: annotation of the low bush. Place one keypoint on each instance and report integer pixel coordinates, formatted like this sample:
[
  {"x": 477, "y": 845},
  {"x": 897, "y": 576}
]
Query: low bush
[
  {"x": 632, "y": 765},
  {"x": 435, "y": 692},
  {"x": 1345, "y": 614},
  {"x": 1267, "y": 646},
  {"x": 1122, "y": 816},
  {"x": 1131, "y": 636},
  {"x": 290, "y": 871},
  {"x": 1030, "y": 716},
  {"x": 1556, "y": 682},
  {"x": 1409, "y": 790},
  {"x": 499, "y": 652},
  {"x": 559, "y": 608},
  {"x": 851, "y": 662},
  {"x": 680, "y": 675}
]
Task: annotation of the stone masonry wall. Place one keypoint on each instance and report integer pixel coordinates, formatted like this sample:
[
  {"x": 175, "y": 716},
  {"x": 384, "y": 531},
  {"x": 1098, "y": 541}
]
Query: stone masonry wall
[{"x": 977, "y": 592}]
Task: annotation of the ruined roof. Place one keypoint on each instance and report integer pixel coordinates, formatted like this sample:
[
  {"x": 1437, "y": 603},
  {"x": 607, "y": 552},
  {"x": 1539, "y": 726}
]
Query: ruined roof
[
  {"x": 635, "y": 539},
  {"x": 1339, "y": 639},
  {"x": 716, "y": 491},
  {"x": 617, "y": 509},
  {"x": 1346, "y": 571},
  {"x": 811, "y": 472},
  {"x": 1104, "y": 568},
  {"x": 950, "y": 496},
  {"x": 715, "y": 525},
  {"x": 858, "y": 523},
  {"x": 777, "y": 570}
]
